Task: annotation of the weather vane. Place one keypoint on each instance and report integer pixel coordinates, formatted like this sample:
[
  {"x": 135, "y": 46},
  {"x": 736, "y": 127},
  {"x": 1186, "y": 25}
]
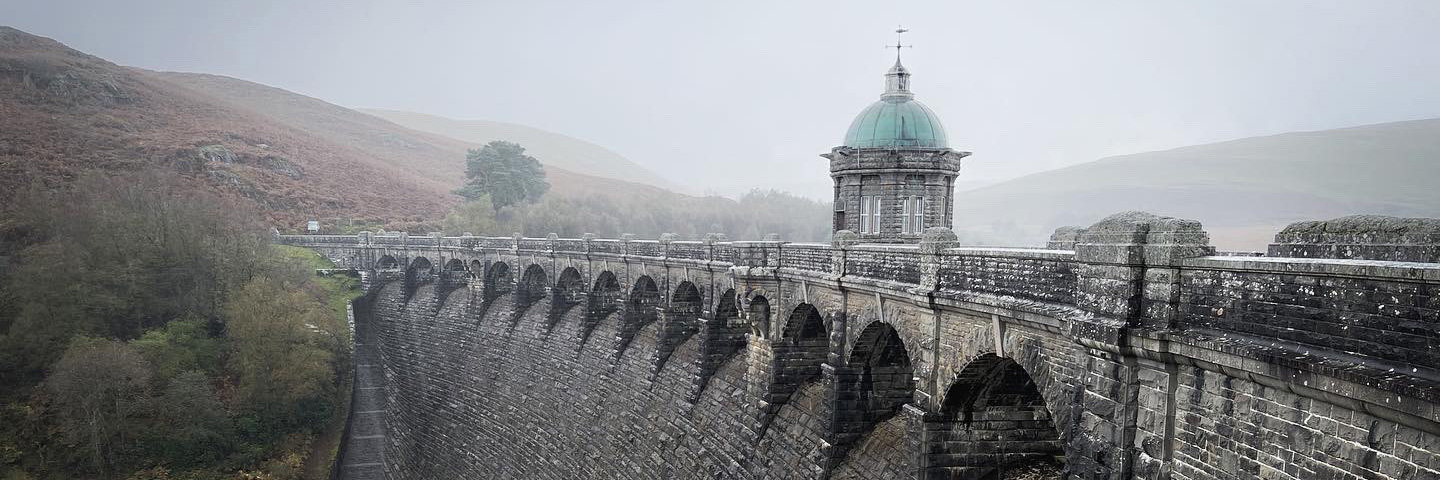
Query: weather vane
[{"x": 897, "y": 46}]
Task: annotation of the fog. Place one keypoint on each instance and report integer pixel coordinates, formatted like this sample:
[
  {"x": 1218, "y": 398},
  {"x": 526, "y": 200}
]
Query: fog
[{"x": 727, "y": 96}]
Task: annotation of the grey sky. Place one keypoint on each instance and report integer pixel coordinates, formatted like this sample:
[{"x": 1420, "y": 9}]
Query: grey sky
[{"x": 725, "y": 96}]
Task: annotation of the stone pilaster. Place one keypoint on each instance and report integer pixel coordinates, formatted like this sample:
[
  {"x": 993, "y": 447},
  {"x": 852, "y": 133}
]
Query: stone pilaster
[
  {"x": 841, "y": 242},
  {"x": 933, "y": 244},
  {"x": 1128, "y": 284}
]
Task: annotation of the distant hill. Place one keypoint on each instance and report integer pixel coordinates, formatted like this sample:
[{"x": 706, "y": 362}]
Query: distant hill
[
  {"x": 1243, "y": 191},
  {"x": 550, "y": 148},
  {"x": 63, "y": 113}
]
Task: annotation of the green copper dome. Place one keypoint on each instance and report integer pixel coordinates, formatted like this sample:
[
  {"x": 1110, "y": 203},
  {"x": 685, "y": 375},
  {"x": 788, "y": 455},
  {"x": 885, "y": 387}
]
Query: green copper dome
[{"x": 896, "y": 122}]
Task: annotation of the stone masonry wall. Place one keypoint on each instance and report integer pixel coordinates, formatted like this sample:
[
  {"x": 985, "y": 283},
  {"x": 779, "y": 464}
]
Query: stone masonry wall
[
  {"x": 1139, "y": 354},
  {"x": 476, "y": 398}
]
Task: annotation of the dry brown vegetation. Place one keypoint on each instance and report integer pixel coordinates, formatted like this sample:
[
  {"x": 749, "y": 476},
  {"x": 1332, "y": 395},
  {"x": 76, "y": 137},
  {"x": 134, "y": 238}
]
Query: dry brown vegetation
[{"x": 63, "y": 112}]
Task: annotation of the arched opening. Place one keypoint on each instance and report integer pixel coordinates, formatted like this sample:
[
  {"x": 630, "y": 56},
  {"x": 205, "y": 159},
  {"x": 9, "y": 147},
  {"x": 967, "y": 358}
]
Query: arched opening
[
  {"x": 477, "y": 269},
  {"x": 534, "y": 285},
  {"x": 993, "y": 420},
  {"x": 418, "y": 273},
  {"x": 723, "y": 336},
  {"x": 498, "y": 281},
  {"x": 682, "y": 319},
  {"x": 455, "y": 265},
  {"x": 640, "y": 310},
  {"x": 569, "y": 291},
  {"x": 727, "y": 333},
  {"x": 803, "y": 347},
  {"x": 759, "y": 313},
  {"x": 878, "y": 380},
  {"x": 605, "y": 299},
  {"x": 387, "y": 262},
  {"x": 570, "y": 288}
]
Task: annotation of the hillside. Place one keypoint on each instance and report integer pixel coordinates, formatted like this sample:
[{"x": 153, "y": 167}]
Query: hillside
[
  {"x": 63, "y": 113},
  {"x": 1243, "y": 191},
  {"x": 550, "y": 148}
]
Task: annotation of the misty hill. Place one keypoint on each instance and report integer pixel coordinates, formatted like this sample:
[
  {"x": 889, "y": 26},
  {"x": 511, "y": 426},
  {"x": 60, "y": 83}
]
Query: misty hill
[
  {"x": 1243, "y": 191},
  {"x": 63, "y": 112},
  {"x": 549, "y": 147}
]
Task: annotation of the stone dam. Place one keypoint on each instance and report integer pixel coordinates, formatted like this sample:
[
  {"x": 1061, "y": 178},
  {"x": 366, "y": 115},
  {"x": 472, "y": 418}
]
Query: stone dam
[{"x": 1127, "y": 349}]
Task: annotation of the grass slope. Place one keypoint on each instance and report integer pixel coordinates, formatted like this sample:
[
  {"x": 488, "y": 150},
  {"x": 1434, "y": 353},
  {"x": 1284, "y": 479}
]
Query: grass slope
[{"x": 1243, "y": 191}]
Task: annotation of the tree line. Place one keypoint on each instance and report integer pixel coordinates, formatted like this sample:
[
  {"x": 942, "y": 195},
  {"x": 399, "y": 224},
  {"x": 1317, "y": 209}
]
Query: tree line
[
  {"x": 149, "y": 329},
  {"x": 506, "y": 190}
]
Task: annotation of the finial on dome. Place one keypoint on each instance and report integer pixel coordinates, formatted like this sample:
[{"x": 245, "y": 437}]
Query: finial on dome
[
  {"x": 897, "y": 46},
  {"x": 897, "y": 80}
]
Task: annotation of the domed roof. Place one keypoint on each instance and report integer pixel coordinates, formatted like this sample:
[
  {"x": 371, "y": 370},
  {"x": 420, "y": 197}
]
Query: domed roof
[{"x": 897, "y": 120}]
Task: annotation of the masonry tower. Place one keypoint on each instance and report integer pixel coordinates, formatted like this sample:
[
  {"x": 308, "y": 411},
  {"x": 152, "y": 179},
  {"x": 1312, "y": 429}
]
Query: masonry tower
[{"x": 895, "y": 173}]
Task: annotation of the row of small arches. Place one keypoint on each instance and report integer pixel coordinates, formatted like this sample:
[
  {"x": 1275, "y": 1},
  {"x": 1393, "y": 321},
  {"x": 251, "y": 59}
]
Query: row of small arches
[{"x": 989, "y": 390}]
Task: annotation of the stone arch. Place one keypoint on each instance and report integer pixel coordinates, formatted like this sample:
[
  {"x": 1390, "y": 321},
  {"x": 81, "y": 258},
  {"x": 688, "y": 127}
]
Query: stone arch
[
  {"x": 569, "y": 287},
  {"x": 419, "y": 272},
  {"x": 759, "y": 315},
  {"x": 682, "y": 319},
  {"x": 534, "y": 285},
  {"x": 722, "y": 336},
  {"x": 498, "y": 281},
  {"x": 606, "y": 297},
  {"x": 803, "y": 347},
  {"x": 387, "y": 262},
  {"x": 993, "y": 417},
  {"x": 569, "y": 291},
  {"x": 450, "y": 278},
  {"x": 876, "y": 382},
  {"x": 477, "y": 269},
  {"x": 641, "y": 308}
]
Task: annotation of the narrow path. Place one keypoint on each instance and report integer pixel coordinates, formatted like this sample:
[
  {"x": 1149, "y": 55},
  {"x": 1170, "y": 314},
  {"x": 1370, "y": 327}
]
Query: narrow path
[{"x": 364, "y": 456}]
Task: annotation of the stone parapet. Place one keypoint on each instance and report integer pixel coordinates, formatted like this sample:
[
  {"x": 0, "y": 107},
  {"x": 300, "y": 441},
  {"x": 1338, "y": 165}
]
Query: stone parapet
[{"x": 1361, "y": 237}]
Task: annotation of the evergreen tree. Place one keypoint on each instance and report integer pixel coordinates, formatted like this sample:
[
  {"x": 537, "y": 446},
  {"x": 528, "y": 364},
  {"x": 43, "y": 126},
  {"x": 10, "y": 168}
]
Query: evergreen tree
[{"x": 503, "y": 171}]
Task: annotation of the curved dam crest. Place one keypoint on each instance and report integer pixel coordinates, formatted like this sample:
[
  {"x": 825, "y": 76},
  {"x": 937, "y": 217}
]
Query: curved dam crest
[{"x": 1126, "y": 350}]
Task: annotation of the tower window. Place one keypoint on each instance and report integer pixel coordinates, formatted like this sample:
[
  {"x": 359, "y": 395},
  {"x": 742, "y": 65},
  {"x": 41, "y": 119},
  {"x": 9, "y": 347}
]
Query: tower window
[
  {"x": 869, "y": 214},
  {"x": 875, "y": 222},
  {"x": 905, "y": 215},
  {"x": 913, "y": 214},
  {"x": 918, "y": 214},
  {"x": 865, "y": 214}
]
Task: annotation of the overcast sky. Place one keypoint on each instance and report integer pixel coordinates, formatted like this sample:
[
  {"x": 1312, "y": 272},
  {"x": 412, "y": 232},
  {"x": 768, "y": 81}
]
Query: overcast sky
[{"x": 725, "y": 96}]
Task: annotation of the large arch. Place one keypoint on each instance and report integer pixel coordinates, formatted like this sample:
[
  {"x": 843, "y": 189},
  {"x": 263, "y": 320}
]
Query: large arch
[
  {"x": 722, "y": 336},
  {"x": 569, "y": 291},
  {"x": 605, "y": 298},
  {"x": 387, "y": 262},
  {"x": 498, "y": 281},
  {"x": 534, "y": 285},
  {"x": 419, "y": 272},
  {"x": 993, "y": 418},
  {"x": 874, "y": 384},
  {"x": 759, "y": 315},
  {"x": 455, "y": 265},
  {"x": 570, "y": 287},
  {"x": 682, "y": 319},
  {"x": 641, "y": 309},
  {"x": 804, "y": 345}
]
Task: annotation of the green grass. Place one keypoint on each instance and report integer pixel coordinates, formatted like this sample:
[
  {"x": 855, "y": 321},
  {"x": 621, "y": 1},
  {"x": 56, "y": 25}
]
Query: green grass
[{"x": 340, "y": 289}]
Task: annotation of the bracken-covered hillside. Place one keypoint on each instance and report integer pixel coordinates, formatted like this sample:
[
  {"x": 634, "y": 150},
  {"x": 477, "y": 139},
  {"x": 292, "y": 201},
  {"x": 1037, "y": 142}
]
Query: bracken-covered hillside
[{"x": 63, "y": 112}]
